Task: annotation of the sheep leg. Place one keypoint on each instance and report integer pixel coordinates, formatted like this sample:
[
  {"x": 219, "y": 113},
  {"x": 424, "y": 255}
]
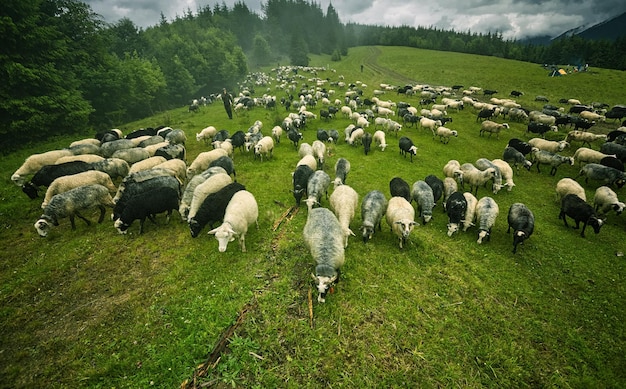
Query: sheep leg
[
  {"x": 82, "y": 217},
  {"x": 242, "y": 242},
  {"x": 143, "y": 219},
  {"x": 562, "y": 216},
  {"x": 582, "y": 233},
  {"x": 102, "y": 212}
]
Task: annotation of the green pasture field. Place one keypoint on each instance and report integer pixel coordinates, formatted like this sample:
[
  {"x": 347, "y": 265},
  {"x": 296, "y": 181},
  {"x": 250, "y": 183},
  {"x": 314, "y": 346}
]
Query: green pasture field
[{"x": 92, "y": 308}]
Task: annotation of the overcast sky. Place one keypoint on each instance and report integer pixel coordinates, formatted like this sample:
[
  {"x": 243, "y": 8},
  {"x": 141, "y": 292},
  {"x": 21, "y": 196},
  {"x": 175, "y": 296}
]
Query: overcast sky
[{"x": 515, "y": 19}]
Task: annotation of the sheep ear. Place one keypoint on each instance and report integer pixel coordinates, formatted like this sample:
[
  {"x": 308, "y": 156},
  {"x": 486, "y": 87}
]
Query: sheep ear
[
  {"x": 333, "y": 279},
  {"x": 212, "y": 232},
  {"x": 314, "y": 277},
  {"x": 351, "y": 233}
]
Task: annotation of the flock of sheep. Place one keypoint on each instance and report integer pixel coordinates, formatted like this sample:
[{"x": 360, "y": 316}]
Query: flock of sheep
[{"x": 155, "y": 178}]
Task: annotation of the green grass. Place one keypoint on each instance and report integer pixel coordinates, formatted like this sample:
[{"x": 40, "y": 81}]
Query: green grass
[{"x": 91, "y": 308}]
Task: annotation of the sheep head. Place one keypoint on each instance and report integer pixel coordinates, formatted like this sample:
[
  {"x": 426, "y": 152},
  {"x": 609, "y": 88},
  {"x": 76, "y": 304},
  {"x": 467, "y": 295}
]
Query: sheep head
[
  {"x": 323, "y": 285},
  {"x": 224, "y": 234}
]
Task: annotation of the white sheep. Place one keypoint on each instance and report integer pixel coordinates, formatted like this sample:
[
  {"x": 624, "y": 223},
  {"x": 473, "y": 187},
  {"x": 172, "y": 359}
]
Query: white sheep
[
  {"x": 155, "y": 146},
  {"x": 567, "y": 186},
  {"x": 605, "y": 200},
  {"x": 379, "y": 138},
  {"x": 486, "y": 213},
  {"x": 68, "y": 204},
  {"x": 476, "y": 177},
  {"x": 206, "y": 134},
  {"x": 324, "y": 238},
  {"x": 35, "y": 162},
  {"x": 356, "y": 136},
  {"x": 202, "y": 161},
  {"x": 543, "y": 118},
  {"x": 386, "y": 112},
  {"x": 277, "y": 132},
  {"x": 241, "y": 212},
  {"x": 400, "y": 217},
  {"x": 308, "y": 160},
  {"x": 470, "y": 211},
  {"x": 592, "y": 116},
  {"x": 362, "y": 122},
  {"x": 587, "y": 155},
  {"x": 346, "y": 111},
  {"x": 585, "y": 137},
  {"x": 380, "y": 122},
  {"x": 492, "y": 127},
  {"x": 65, "y": 183},
  {"x": 319, "y": 152},
  {"x": 444, "y": 134},
  {"x": 187, "y": 197},
  {"x": 429, "y": 123},
  {"x": 344, "y": 202},
  {"x": 146, "y": 164},
  {"x": 211, "y": 185},
  {"x": 453, "y": 169},
  {"x": 549, "y": 145},
  {"x": 264, "y": 147},
  {"x": 178, "y": 167},
  {"x": 305, "y": 149},
  {"x": 89, "y": 158},
  {"x": 507, "y": 173}
]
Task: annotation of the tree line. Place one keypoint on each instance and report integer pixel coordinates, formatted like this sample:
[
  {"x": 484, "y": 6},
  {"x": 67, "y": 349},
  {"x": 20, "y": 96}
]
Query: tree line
[{"x": 64, "y": 70}]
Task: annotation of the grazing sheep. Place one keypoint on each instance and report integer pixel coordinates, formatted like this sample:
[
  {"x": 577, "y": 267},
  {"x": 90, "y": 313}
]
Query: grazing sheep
[
  {"x": 576, "y": 208},
  {"x": 317, "y": 186},
  {"x": 139, "y": 185},
  {"x": 588, "y": 155},
  {"x": 616, "y": 149},
  {"x": 206, "y": 134},
  {"x": 277, "y": 132},
  {"x": 552, "y": 159},
  {"x": 319, "y": 152},
  {"x": 456, "y": 207},
  {"x": 400, "y": 217},
  {"x": 491, "y": 127},
  {"x": 407, "y": 147},
  {"x": 342, "y": 168},
  {"x": 213, "y": 208},
  {"x": 300, "y": 181},
  {"x": 226, "y": 163},
  {"x": 452, "y": 169},
  {"x": 605, "y": 200},
  {"x": 367, "y": 142},
  {"x": 373, "y": 209},
  {"x": 355, "y": 136},
  {"x": 399, "y": 187},
  {"x": 344, "y": 201},
  {"x": 429, "y": 123},
  {"x": 324, "y": 238},
  {"x": 48, "y": 173},
  {"x": 212, "y": 184},
  {"x": 264, "y": 147},
  {"x": 507, "y": 173},
  {"x": 584, "y": 137},
  {"x": 470, "y": 211},
  {"x": 486, "y": 213},
  {"x": 146, "y": 164},
  {"x": 70, "y": 203},
  {"x": 522, "y": 221},
  {"x": 423, "y": 196},
  {"x": 567, "y": 186},
  {"x": 241, "y": 212},
  {"x": 89, "y": 158},
  {"x": 187, "y": 197},
  {"x": 114, "y": 167},
  {"x": 476, "y": 177},
  {"x": 147, "y": 205},
  {"x": 436, "y": 184},
  {"x": 379, "y": 139},
  {"x": 613, "y": 162},
  {"x": 176, "y": 137},
  {"x": 65, "y": 183},
  {"x": 108, "y": 148},
  {"x": 592, "y": 116},
  {"x": 484, "y": 164},
  {"x": 514, "y": 157},
  {"x": 203, "y": 160},
  {"x": 541, "y": 128},
  {"x": 604, "y": 174},
  {"x": 449, "y": 186},
  {"x": 444, "y": 134},
  {"x": 35, "y": 162},
  {"x": 549, "y": 145},
  {"x": 523, "y": 147}
]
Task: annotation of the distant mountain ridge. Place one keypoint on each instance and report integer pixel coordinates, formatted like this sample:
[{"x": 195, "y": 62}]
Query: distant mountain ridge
[{"x": 610, "y": 29}]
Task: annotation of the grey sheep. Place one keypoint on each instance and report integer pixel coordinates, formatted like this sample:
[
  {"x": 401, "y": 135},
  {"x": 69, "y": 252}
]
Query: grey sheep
[
  {"x": 316, "y": 187},
  {"x": 114, "y": 167},
  {"x": 342, "y": 168},
  {"x": 486, "y": 213},
  {"x": 484, "y": 164},
  {"x": 552, "y": 159},
  {"x": 324, "y": 238},
  {"x": 422, "y": 194},
  {"x": 70, "y": 203},
  {"x": 604, "y": 174},
  {"x": 373, "y": 209}
]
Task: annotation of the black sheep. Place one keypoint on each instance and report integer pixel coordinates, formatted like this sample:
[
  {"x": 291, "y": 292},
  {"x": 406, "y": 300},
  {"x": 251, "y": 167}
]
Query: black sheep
[
  {"x": 540, "y": 128},
  {"x": 300, "y": 181},
  {"x": 213, "y": 208},
  {"x": 521, "y": 146},
  {"x": 49, "y": 173},
  {"x": 135, "y": 188},
  {"x": 322, "y": 135},
  {"x": 522, "y": 221},
  {"x": 238, "y": 140},
  {"x": 227, "y": 163},
  {"x": 295, "y": 136},
  {"x": 399, "y": 187},
  {"x": 576, "y": 208},
  {"x": 436, "y": 184},
  {"x": 613, "y": 162},
  {"x": 614, "y": 148},
  {"x": 146, "y": 205},
  {"x": 485, "y": 113},
  {"x": 367, "y": 142},
  {"x": 456, "y": 206},
  {"x": 406, "y": 146}
]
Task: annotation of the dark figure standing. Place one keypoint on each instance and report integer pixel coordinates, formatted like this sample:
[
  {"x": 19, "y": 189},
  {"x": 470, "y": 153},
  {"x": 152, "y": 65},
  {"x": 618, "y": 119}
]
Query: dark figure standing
[{"x": 227, "y": 99}]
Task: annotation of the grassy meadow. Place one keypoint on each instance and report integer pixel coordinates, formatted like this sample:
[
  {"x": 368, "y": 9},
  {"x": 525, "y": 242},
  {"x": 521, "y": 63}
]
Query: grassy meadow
[{"x": 92, "y": 308}]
